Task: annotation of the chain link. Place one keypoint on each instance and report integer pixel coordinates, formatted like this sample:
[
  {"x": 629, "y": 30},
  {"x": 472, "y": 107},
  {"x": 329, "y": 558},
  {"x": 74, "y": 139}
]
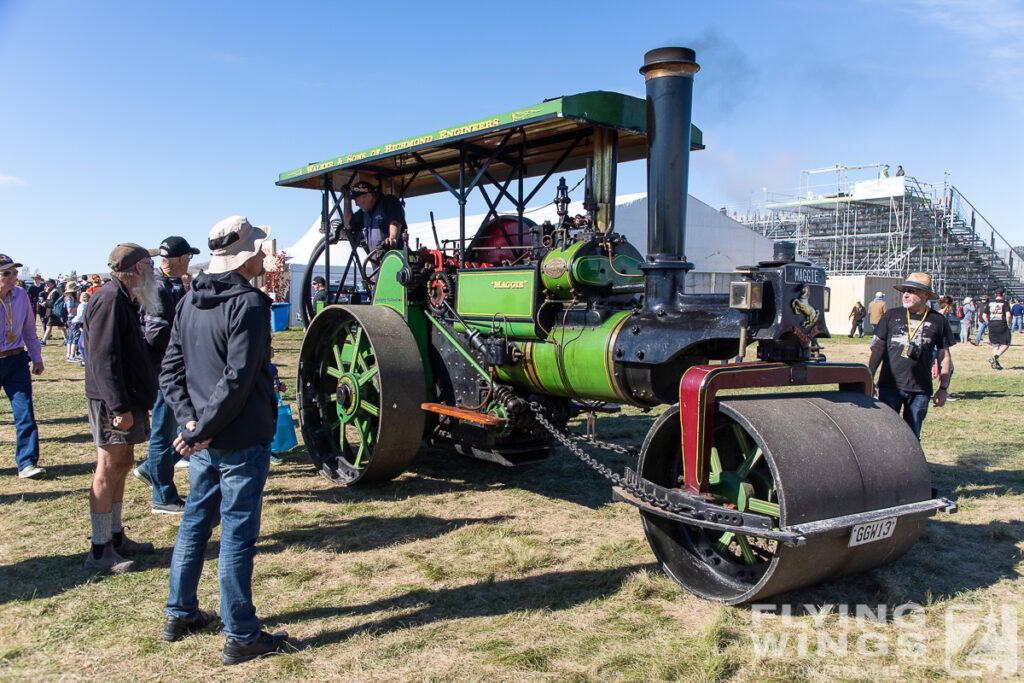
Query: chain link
[
  {"x": 566, "y": 439},
  {"x": 604, "y": 445}
]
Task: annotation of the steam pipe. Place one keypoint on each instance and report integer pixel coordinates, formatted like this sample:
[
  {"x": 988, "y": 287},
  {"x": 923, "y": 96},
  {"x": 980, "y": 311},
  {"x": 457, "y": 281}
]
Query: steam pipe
[{"x": 668, "y": 73}]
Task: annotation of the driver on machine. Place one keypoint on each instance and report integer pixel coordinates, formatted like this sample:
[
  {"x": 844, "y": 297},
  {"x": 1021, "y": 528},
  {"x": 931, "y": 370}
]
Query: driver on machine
[{"x": 380, "y": 217}]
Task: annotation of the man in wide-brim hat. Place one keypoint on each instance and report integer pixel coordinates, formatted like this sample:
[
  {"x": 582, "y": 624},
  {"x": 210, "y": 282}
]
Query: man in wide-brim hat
[
  {"x": 19, "y": 345},
  {"x": 216, "y": 377},
  {"x": 906, "y": 341}
]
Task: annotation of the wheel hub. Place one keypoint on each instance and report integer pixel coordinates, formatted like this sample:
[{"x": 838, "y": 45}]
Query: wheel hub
[{"x": 348, "y": 397}]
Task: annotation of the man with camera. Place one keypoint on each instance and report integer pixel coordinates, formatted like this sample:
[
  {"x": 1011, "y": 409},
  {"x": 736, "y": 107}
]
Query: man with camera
[{"x": 907, "y": 339}]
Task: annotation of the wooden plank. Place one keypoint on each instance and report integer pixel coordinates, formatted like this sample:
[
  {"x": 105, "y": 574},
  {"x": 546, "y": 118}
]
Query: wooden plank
[{"x": 463, "y": 414}]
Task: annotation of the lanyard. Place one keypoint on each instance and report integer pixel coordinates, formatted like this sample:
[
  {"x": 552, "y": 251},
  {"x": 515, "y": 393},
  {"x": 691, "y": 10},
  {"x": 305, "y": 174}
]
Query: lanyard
[
  {"x": 9, "y": 314},
  {"x": 912, "y": 332}
]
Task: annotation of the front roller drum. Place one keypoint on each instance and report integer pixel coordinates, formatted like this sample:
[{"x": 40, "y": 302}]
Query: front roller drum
[
  {"x": 797, "y": 459},
  {"x": 361, "y": 383}
]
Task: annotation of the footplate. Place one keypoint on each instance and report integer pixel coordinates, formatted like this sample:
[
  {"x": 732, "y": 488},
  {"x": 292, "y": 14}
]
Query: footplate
[{"x": 688, "y": 508}]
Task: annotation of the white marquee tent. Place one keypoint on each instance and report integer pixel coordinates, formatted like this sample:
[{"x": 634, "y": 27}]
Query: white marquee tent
[{"x": 715, "y": 243}]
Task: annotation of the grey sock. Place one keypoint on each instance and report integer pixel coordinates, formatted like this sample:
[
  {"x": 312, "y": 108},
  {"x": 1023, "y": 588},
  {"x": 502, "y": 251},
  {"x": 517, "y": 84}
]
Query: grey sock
[
  {"x": 100, "y": 527},
  {"x": 115, "y": 517}
]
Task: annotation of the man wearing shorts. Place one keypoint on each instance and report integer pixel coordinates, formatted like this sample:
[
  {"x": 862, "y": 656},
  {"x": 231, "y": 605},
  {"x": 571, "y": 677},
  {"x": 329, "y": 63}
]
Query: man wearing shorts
[
  {"x": 121, "y": 385},
  {"x": 997, "y": 315}
]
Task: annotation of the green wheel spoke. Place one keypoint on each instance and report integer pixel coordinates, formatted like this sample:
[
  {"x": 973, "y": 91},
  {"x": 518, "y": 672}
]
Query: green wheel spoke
[
  {"x": 763, "y": 507},
  {"x": 369, "y": 408},
  {"x": 337, "y": 357},
  {"x": 334, "y": 372},
  {"x": 367, "y": 376},
  {"x": 749, "y": 463},
  {"x": 356, "y": 351},
  {"x": 364, "y": 441},
  {"x": 741, "y": 438},
  {"x": 748, "y": 554},
  {"x": 722, "y": 544},
  {"x": 716, "y": 461}
]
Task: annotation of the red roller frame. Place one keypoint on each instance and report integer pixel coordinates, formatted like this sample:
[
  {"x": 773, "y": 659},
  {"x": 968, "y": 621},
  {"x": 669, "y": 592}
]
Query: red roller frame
[{"x": 700, "y": 384}]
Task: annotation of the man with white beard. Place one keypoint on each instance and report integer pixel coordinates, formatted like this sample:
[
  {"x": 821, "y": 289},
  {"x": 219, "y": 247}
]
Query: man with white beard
[{"x": 121, "y": 385}]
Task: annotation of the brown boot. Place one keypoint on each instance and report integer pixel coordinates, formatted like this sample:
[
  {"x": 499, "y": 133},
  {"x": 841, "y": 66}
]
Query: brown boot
[
  {"x": 109, "y": 562},
  {"x": 127, "y": 547}
]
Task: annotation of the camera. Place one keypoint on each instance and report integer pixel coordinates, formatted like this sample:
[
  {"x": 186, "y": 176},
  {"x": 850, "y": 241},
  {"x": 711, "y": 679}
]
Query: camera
[{"x": 913, "y": 351}]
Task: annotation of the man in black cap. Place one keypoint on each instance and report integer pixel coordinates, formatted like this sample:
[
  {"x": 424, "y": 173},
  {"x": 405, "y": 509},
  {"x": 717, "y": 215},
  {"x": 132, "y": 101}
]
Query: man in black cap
[
  {"x": 121, "y": 386},
  {"x": 319, "y": 292},
  {"x": 380, "y": 217},
  {"x": 158, "y": 469}
]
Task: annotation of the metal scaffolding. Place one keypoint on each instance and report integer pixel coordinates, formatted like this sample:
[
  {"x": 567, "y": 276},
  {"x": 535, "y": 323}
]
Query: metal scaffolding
[{"x": 892, "y": 227}]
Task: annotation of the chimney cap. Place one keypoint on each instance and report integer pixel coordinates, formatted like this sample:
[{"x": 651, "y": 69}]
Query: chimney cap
[{"x": 668, "y": 55}]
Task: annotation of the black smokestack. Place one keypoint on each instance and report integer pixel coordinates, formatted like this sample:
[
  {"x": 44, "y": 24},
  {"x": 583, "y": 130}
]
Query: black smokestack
[{"x": 668, "y": 72}]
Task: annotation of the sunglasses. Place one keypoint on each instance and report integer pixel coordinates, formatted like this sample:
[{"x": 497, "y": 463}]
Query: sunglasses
[
  {"x": 9, "y": 273},
  {"x": 911, "y": 290}
]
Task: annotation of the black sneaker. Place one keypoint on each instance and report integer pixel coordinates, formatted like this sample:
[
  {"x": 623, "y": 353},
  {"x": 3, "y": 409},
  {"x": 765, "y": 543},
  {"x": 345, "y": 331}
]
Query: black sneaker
[
  {"x": 176, "y": 507},
  {"x": 236, "y": 651},
  {"x": 995, "y": 363},
  {"x": 142, "y": 475},
  {"x": 175, "y": 628}
]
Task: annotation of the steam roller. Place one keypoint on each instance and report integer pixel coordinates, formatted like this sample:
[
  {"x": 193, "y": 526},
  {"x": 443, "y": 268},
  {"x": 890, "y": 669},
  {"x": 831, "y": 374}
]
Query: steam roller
[{"x": 760, "y": 476}]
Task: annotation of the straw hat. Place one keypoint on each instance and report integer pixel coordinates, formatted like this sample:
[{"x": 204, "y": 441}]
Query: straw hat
[{"x": 919, "y": 281}]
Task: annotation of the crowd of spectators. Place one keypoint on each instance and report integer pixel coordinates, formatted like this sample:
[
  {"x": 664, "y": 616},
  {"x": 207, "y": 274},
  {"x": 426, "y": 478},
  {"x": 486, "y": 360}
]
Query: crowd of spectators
[{"x": 196, "y": 354}]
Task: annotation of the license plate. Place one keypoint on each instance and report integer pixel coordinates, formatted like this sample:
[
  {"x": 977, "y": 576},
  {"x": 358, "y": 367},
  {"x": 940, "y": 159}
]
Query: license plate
[{"x": 872, "y": 531}]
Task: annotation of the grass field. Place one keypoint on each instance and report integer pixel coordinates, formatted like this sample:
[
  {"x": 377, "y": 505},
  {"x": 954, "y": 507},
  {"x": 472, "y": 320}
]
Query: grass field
[{"x": 464, "y": 571}]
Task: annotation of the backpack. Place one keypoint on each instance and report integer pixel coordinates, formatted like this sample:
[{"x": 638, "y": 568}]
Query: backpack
[
  {"x": 59, "y": 308},
  {"x": 960, "y": 312}
]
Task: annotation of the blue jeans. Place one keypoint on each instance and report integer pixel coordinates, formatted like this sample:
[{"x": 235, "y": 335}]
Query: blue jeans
[
  {"x": 982, "y": 326},
  {"x": 17, "y": 383},
  {"x": 1017, "y": 323},
  {"x": 225, "y": 485},
  {"x": 162, "y": 456},
  {"x": 913, "y": 407}
]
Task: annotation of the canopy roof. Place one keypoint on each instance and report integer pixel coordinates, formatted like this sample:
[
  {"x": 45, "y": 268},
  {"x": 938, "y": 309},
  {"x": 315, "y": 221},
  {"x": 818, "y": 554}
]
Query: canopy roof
[{"x": 535, "y": 137}]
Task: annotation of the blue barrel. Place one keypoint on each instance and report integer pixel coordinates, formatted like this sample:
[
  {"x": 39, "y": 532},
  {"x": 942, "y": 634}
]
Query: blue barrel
[{"x": 279, "y": 316}]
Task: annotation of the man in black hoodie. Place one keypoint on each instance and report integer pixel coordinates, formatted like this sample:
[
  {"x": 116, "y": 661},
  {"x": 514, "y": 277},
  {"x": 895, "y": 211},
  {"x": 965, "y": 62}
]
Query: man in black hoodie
[
  {"x": 121, "y": 386},
  {"x": 216, "y": 377}
]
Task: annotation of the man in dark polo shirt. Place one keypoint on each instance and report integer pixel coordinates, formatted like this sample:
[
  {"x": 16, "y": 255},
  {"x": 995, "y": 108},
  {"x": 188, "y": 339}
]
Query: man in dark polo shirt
[{"x": 121, "y": 385}]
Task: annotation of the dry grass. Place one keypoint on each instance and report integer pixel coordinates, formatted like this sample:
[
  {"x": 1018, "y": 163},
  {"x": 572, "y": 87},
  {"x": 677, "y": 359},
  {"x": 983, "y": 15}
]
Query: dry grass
[{"x": 460, "y": 570}]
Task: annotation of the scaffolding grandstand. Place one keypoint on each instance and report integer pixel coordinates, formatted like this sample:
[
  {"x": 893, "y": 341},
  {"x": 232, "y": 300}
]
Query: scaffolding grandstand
[{"x": 891, "y": 226}]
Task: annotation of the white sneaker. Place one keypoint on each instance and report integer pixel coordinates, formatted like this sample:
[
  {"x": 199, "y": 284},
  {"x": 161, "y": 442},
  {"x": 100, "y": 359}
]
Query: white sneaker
[
  {"x": 31, "y": 472},
  {"x": 181, "y": 464}
]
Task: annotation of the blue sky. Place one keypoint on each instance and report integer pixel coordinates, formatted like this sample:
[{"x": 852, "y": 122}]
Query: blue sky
[{"x": 131, "y": 121}]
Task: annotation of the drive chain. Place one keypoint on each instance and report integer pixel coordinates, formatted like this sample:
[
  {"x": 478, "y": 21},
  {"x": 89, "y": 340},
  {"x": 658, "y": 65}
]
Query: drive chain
[{"x": 566, "y": 439}]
